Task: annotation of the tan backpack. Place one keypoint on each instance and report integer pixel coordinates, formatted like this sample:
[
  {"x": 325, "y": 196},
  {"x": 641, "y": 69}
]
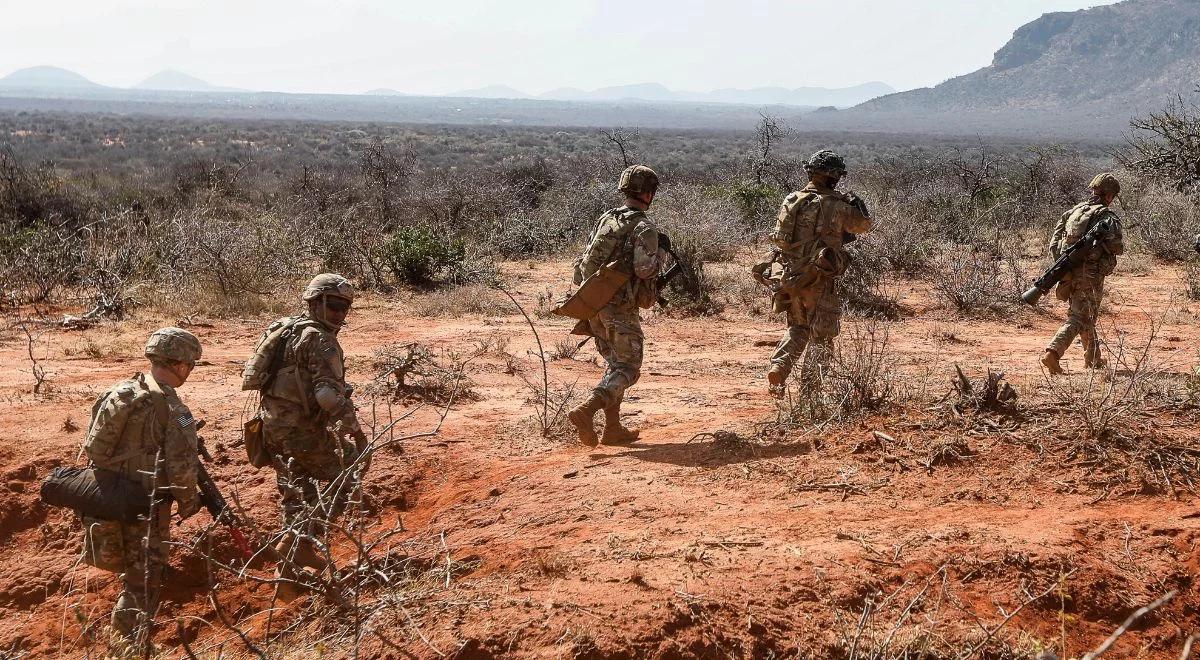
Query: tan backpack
[{"x": 264, "y": 362}]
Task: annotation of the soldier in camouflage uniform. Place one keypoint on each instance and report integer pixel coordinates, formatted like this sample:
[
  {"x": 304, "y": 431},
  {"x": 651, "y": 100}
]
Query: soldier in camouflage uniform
[
  {"x": 628, "y": 239},
  {"x": 141, "y": 429},
  {"x": 307, "y": 419},
  {"x": 1083, "y": 287},
  {"x": 809, "y": 237}
]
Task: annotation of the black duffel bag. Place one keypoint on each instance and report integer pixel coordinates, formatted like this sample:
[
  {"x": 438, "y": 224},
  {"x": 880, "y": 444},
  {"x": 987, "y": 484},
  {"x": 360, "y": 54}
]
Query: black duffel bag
[{"x": 96, "y": 493}]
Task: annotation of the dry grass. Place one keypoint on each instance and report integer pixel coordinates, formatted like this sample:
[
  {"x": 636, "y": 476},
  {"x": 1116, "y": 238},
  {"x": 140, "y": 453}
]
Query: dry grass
[{"x": 472, "y": 299}]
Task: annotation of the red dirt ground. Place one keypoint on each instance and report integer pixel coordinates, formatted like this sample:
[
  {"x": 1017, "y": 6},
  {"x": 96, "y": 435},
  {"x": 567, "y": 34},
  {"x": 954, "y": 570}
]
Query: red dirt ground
[{"x": 670, "y": 547}]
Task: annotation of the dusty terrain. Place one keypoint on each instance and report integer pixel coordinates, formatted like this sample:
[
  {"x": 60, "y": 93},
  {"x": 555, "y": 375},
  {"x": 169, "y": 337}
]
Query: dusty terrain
[{"x": 854, "y": 538}]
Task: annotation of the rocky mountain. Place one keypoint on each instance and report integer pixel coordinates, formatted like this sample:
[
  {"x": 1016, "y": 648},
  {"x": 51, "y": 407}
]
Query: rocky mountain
[
  {"x": 47, "y": 77},
  {"x": 1093, "y": 68},
  {"x": 172, "y": 80}
]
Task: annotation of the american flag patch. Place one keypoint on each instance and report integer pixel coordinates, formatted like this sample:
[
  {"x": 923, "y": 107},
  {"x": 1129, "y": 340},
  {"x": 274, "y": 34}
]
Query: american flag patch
[{"x": 185, "y": 420}]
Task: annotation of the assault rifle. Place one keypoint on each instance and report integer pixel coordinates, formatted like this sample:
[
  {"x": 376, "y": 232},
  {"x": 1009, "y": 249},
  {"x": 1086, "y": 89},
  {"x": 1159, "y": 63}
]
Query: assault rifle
[
  {"x": 218, "y": 507},
  {"x": 661, "y": 282},
  {"x": 858, "y": 203},
  {"x": 1070, "y": 259}
]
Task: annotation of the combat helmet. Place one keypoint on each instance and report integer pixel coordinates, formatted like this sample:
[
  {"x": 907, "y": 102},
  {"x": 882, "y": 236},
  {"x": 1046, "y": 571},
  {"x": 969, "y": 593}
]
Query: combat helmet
[
  {"x": 1106, "y": 183},
  {"x": 173, "y": 345},
  {"x": 827, "y": 162},
  {"x": 329, "y": 285},
  {"x": 638, "y": 179}
]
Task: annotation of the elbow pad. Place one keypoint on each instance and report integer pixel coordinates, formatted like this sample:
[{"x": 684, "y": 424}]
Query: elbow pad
[{"x": 329, "y": 399}]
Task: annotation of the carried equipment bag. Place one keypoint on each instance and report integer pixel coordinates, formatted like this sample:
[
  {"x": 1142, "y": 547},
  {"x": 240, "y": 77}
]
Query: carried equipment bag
[
  {"x": 595, "y": 292},
  {"x": 96, "y": 493}
]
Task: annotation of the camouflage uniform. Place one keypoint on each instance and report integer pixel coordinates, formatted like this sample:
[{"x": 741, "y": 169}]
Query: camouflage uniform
[
  {"x": 1083, "y": 287},
  {"x": 626, "y": 238},
  {"x": 307, "y": 414},
  {"x": 809, "y": 237},
  {"x": 135, "y": 423}
]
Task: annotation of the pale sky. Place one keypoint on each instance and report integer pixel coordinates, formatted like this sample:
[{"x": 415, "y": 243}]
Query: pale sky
[{"x": 438, "y": 46}]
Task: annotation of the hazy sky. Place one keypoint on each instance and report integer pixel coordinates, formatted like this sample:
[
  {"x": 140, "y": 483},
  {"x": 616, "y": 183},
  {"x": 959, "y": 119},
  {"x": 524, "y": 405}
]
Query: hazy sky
[{"x": 438, "y": 46}]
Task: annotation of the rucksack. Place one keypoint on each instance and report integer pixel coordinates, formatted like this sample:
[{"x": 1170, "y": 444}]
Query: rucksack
[{"x": 264, "y": 362}]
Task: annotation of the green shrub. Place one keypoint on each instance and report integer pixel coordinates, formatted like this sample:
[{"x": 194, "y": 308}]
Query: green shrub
[{"x": 416, "y": 256}]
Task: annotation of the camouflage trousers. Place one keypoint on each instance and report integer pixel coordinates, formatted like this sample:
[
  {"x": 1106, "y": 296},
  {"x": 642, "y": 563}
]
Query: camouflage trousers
[
  {"x": 306, "y": 460},
  {"x": 1085, "y": 297},
  {"x": 140, "y": 560},
  {"x": 814, "y": 318},
  {"x": 619, "y": 339}
]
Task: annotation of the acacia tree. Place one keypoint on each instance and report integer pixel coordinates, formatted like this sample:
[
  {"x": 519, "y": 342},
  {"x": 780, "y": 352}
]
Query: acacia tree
[{"x": 1165, "y": 145}]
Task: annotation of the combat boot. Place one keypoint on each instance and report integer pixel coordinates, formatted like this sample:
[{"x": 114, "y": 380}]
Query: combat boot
[
  {"x": 776, "y": 377},
  {"x": 1050, "y": 361},
  {"x": 582, "y": 416},
  {"x": 127, "y": 616},
  {"x": 305, "y": 553},
  {"x": 614, "y": 433}
]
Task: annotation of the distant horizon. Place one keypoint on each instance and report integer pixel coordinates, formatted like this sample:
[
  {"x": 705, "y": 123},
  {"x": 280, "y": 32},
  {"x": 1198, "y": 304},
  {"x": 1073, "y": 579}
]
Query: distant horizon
[
  {"x": 496, "y": 85},
  {"x": 536, "y": 46}
]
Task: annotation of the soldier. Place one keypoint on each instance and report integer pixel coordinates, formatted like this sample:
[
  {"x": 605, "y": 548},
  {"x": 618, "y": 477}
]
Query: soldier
[
  {"x": 140, "y": 429},
  {"x": 307, "y": 417},
  {"x": 809, "y": 237},
  {"x": 1083, "y": 287},
  {"x": 628, "y": 241}
]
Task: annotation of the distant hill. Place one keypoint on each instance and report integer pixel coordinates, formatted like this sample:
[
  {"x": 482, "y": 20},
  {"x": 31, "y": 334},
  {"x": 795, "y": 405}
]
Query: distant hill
[
  {"x": 384, "y": 91},
  {"x": 178, "y": 81},
  {"x": 47, "y": 77},
  {"x": 491, "y": 92},
  {"x": 803, "y": 96},
  {"x": 1090, "y": 69}
]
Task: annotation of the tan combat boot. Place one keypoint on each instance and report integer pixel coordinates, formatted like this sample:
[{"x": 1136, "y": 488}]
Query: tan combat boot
[
  {"x": 776, "y": 377},
  {"x": 581, "y": 416},
  {"x": 1091, "y": 355},
  {"x": 1050, "y": 361},
  {"x": 305, "y": 554},
  {"x": 614, "y": 433}
]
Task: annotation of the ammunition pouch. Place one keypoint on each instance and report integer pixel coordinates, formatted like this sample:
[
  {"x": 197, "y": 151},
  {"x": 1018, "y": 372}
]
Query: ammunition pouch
[{"x": 256, "y": 444}]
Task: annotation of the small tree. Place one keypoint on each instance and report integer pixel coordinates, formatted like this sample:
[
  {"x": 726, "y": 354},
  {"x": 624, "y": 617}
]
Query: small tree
[{"x": 1165, "y": 145}]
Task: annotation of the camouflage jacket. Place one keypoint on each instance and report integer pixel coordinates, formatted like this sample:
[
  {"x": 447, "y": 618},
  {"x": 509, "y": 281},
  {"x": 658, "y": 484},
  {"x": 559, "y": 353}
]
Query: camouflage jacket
[
  {"x": 1076, "y": 222},
  {"x": 626, "y": 238},
  {"x": 128, "y": 428},
  {"x": 312, "y": 360},
  {"x": 813, "y": 219}
]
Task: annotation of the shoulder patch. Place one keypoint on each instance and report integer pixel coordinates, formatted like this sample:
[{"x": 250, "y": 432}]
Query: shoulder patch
[
  {"x": 792, "y": 197},
  {"x": 185, "y": 420}
]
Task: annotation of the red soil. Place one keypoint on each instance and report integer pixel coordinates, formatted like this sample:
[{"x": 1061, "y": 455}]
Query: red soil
[{"x": 671, "y": 547}]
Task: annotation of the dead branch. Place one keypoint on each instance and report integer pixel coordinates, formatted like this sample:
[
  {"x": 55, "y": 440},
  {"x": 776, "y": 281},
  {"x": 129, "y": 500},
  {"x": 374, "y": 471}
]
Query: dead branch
[{"x": 1124, "y": 628}]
